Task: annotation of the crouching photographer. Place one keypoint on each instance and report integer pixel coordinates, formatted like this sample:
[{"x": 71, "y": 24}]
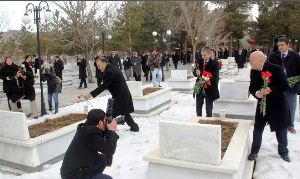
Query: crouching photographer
[{"x": 91, "y": 149}]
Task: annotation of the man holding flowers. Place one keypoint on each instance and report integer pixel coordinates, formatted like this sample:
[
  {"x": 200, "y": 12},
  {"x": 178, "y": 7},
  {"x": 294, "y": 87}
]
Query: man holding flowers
[
  {"x": 269, "y": 85},
  {"x": 206, "y": 87}
]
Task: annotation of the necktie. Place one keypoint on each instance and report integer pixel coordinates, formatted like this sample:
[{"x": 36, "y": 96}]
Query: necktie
[
  {"x": 282, "y": 62},
  {"x": 204, "y": 66}
]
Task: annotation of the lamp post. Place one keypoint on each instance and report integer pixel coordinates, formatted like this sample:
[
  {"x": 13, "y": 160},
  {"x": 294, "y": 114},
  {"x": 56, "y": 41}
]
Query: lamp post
[
  {"x": 162, "y": 39},
  {"x": 36, "y": 10},
  {"x": 103, "y": 39}
]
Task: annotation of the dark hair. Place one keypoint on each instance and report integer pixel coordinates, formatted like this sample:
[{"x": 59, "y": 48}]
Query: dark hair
[
  {"x": 27, "y": 57},
  {"x": 94, "y": 116},
  {"x": 284, "y": 39},
  {"x": 102, "y": 59}
]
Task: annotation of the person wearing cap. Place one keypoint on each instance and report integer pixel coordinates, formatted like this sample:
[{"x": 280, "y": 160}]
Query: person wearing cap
[
  {"x": 91, "y": 149},
  {"x": 114, "y": 81}
]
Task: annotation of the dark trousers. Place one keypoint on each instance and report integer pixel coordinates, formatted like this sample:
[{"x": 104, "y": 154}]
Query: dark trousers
[
  {"x": 199, "y": 104},
  {"x": 281, "y": 136},
  {"x": 162, "y": 72},
  {"x": 102, "y": 176},
  {"x": 83, "y": 80},
  {"x": 9, "y": 95},
  {"x": 175, "y": 64},
  {"x": 130, "y": 122},
  {"x": 147, "y": 74},
  {"x": 137, "y": 77}
]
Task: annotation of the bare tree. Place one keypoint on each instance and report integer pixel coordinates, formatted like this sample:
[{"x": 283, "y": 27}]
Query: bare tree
[
  {"x": 3, "y": 20},
  {"x": 80, "y": 22},
  {"x": 200, "y": 23}
]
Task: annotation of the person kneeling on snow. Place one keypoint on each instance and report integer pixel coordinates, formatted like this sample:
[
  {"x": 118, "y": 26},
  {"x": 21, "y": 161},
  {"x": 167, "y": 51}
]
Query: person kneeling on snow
[{"x": 91, "y": 149}]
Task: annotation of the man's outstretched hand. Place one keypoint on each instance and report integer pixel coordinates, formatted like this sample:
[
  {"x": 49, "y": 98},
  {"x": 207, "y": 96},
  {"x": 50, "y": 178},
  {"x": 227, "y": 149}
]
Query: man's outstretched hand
[{"x": 84, "y": 97}]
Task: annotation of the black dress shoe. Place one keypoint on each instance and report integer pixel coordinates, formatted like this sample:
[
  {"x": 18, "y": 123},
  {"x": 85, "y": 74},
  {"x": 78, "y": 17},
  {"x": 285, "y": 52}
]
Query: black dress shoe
[
  {"x": 285, "y": 158},
  {"x": 134, "y": 128},
  {"x": 252, "y": 157}
]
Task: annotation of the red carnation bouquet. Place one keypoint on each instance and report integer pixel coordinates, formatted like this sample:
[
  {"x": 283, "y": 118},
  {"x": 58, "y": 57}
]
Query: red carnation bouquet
[
  {"x": 204, "y": 82},
  {"x": 262, "y": 104}
]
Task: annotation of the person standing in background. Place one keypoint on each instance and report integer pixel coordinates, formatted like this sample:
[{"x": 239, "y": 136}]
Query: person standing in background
[
  {"x": 81, "y": 62},
  {"x": 136, "y": 62}
]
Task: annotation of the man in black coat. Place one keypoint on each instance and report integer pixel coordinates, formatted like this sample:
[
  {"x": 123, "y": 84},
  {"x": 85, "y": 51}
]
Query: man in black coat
[
  {"x": 81, "y": 62},
  {"x": 211, "y": 93},
  {"x": 114, "y": 81},
  {"x": 226, "y": 53},
  {"x": 28, "y": 63},
  {"x": 277, "y": 111},
  {"x": 82, "y": 159},
  {"x": 58, "y": 66},
  {"x": 175, "y": 59},
  {"x": 240, "y": 58},
  {"x": 115, "y": 60},
  {"x": 290, "y": 63},
  {"x": 36, "y": 63}
]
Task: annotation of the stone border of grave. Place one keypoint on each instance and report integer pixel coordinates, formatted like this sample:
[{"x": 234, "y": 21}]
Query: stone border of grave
[
  {"x": 153, "y": 103},
  {"x": 234, "y": 164},
  {"x": 150, "y": 104},
  {"x": 19, "y": 151}
]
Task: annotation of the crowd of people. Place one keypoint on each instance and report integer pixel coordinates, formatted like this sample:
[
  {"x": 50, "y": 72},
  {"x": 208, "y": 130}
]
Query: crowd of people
[
  {"x": 279, "y": 97},
  {"x": 18, "y": 82}
]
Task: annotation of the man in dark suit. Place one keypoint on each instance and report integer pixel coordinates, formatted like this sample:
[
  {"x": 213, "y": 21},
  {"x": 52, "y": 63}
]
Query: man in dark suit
[
  {"x": 83, "y": 159},
  {"x": 114, "y": 81},
  {"x": 240, "y": 58},
  {"x": 58, "y": 66},
  {"x": 28, "y": 63},
  {"x": 211, "y": 93},
  {"x": 81, "y": 63},
  {"x": 290, "y": 63},
  {"x": 115, "y": 60},
  {"x": 36, "y": 63},
  {"x": 277, "y": 110}
]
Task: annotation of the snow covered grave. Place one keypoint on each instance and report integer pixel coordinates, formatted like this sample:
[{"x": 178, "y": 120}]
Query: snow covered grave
[
  {"x": 180, "y": 81},
  {"x": 149, "y": 104},
  {"x": 192, "y": 150},
  {"x": 19, "y": 151},
  {"x": 234, "y": 100}
]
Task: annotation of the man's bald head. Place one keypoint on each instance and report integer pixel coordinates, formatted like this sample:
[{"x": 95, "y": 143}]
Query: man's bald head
[{"x": 257, "y": 60}]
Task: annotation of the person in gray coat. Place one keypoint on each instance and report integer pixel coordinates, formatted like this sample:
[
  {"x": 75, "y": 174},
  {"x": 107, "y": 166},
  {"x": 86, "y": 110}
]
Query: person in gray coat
[{"x": 136, "y": 62}]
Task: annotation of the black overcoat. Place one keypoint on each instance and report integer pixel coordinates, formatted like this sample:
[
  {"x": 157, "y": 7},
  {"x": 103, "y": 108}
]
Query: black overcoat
[
  {"x": 82, "y": 68},
  {"x": 291, "y": 63},
  {"x": 212, "y": 92},
  {"x": 277, "y": 110},
  {"x": 114, "y": 81},
  {"x": 79, "y": 160}
]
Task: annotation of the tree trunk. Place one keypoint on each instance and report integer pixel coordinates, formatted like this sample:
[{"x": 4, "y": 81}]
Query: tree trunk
[
  {"x": 194, "y": 53},
  {"x": 89, "y": 71}
]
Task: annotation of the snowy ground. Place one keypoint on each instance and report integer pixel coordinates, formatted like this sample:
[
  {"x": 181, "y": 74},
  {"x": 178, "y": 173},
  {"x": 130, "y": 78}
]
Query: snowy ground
[{"x": 131, "y": 148}]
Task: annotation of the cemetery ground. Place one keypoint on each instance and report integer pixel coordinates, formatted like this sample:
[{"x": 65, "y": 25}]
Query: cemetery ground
[{"x": 128, "y": 160}]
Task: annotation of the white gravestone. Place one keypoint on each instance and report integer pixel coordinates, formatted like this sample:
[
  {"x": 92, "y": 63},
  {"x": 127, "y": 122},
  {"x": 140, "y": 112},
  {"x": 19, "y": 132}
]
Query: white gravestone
[
  {"x": 244, "y": 74},
  {"x": 135, "y": 88},
  {"x": 13, "y": 125},
  {"x": 179, "y": 74},
  {"x": 193, "y": 142}
]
